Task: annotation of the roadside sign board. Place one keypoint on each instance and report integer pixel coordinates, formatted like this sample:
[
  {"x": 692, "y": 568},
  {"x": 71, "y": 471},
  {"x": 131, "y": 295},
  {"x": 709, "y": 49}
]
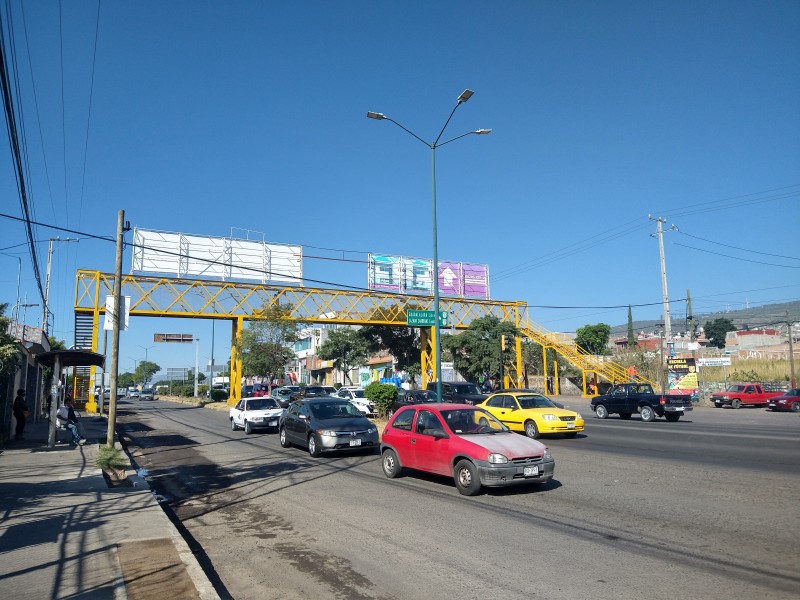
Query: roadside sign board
[
  {"x": 723, "y": 361},
  {"x": 425, "y": 318},
  {"x": 181, "y": 338}
]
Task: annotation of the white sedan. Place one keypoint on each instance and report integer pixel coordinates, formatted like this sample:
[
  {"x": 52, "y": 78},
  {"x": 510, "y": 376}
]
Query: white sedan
[
  {"x": 359, "y": 400},
  {"x": 255, "y": 413}
]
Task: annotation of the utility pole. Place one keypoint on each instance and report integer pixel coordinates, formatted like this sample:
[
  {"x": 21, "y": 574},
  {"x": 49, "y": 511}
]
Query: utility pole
[
  {"x": 122, "y": 227},
  {"x": 667, "y": 323},
  {"x": 46, "y": 307},
  {"x": 196, "y": 363},
  {"x": 791, "y": 350}
]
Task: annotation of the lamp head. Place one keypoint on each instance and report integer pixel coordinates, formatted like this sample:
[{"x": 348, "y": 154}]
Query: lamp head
[
  {"x": 374, "y": 115},
  {"x": 483, "y": 131},
  {"x": 465, "y": 95}
]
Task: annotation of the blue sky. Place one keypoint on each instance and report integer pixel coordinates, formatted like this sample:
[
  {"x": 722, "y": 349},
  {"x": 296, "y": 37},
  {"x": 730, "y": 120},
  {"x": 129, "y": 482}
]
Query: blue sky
[{"x": 200, "y": 117}]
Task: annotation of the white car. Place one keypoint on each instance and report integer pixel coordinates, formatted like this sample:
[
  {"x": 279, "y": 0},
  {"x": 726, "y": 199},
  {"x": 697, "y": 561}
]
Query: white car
[
  {"x": 255, "y": 413},
  {"x": 357, "y": 398}
]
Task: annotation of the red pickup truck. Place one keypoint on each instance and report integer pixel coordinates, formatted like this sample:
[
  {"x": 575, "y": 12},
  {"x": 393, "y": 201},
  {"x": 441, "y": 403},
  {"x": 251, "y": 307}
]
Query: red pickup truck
[{"x": 741, "y": 394}]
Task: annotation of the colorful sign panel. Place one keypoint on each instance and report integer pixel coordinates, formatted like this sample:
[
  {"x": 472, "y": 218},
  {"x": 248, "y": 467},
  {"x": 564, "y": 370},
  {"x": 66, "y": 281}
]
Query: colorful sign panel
[
  {"x": 682, "y": 376},
  {"x": 401, "y": 274}
]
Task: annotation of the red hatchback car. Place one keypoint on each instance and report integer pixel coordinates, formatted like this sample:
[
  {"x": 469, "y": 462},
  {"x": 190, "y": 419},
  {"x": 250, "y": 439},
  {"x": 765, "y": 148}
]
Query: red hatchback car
[{"x": 463, "y": 442}]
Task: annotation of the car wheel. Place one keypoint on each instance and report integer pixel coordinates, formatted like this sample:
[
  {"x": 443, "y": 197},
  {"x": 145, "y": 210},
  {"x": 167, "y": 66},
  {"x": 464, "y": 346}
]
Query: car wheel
[
  {"x": 718, "y": 404},
  {"x": 795, "y": 407},
  {"x": 466, "y": 478},
  {"x": 391, "y": 464},
  {"x": 233, "y": 425},
  {"x": 601, "y": 411},
  {"x": 248, "y": 428},
  {"x": 736, "y": 403},
  {"x": 571, "y": 434},
  {"x": 530, "y": 430},
  {"x": 648, "y": 414},
  {"x": 672, "y": 417},
  {"x": 284, "y": 440},
  {"x": 625, "y": 416},
  {"x": 313, "y": 445}
]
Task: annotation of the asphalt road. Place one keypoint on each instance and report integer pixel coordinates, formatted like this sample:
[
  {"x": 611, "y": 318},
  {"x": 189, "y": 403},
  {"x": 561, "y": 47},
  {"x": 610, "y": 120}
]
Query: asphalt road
[{"x": 703, "y": 508}]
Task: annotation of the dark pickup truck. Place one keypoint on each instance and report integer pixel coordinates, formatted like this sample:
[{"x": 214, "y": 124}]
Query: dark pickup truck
[{"x": 625, "y": 399}]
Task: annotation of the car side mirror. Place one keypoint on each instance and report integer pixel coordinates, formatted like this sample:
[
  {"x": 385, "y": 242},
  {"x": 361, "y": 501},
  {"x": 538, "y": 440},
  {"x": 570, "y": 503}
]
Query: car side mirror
[
  {"x": 305, "y": 418},
  {"x": 439, "y": 434}
]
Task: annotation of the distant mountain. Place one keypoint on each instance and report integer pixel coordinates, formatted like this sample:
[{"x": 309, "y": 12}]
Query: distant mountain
[{"x": 767, "y": 315}]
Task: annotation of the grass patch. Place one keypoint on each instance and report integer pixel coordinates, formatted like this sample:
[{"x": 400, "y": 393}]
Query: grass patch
[{"x": 111, "y": 458}]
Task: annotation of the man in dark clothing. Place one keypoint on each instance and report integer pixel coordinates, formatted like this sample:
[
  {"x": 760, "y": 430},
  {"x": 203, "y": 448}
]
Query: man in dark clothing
[
  {"x": 20, "y": 408},
  {"x": 69, "y": 420}
]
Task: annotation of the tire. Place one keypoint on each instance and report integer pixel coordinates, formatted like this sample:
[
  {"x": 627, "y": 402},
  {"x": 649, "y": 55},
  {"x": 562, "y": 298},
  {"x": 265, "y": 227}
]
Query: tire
[
  {"x": 313, "y": 445},
  {"x": 285, "y": 443},
  {"x": 672, "y": 417},
  {"x": 466, "y": 477},
  {"x": 570, "y": 434},
  {"x": 233, "y": 426},
  {"x": 736, "y": 403},
  {"x": 531, "y": 431},
  {"x": 795, "y": 407},
  {"x": 718, "y": 404},
  {"x": 248, "y": 428},
  {"x": 625, "y": 416},
  {"x": 391, "y": 464},
  {"x": 600, "y": 411},
  {"x": 647, "y": 412}
]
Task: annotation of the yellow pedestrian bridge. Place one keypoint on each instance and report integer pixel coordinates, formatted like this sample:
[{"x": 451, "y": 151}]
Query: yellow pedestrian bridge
[{"x": 237, "y": 302}]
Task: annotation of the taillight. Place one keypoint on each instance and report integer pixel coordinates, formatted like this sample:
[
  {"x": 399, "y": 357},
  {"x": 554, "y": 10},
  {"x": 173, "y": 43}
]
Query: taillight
[{"x": 662, "y": 401}]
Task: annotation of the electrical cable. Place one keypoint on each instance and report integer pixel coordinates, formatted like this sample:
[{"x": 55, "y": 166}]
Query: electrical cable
[
  {"x": 758, "y": 262},
  {"x": 89, "y": 116},
  {"x": 736, "y": 247}
]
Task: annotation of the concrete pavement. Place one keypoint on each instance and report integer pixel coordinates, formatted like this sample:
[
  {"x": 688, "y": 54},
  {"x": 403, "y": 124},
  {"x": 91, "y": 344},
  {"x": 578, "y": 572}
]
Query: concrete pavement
[{"x": 65, "y": 533}]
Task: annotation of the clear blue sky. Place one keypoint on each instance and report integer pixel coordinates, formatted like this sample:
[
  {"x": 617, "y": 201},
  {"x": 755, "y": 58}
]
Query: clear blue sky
[{"x": 202, "y": 116}]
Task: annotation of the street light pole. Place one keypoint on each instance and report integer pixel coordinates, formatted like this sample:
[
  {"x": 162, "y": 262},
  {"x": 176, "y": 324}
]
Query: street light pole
[{"x": 465, "y": 95}]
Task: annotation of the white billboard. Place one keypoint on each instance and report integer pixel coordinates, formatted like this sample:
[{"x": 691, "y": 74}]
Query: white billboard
[{"x": 187, "y": 255}]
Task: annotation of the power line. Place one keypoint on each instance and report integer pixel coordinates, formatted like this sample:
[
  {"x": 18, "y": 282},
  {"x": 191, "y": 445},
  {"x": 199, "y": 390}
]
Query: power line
[
  {"x": 758, "y": 262},
  {"x": 736, "y": 247}
]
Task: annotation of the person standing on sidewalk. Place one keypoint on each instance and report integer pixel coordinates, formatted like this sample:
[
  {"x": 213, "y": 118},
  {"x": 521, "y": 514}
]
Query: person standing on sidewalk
[
  {"x": 20, "y": 412},
  {"x": 69, "y": 420}
]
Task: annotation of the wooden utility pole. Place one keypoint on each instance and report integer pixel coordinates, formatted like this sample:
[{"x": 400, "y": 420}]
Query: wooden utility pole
[
  {"x": 119, "y": 310},
  {"x": 791, "y": 351}
]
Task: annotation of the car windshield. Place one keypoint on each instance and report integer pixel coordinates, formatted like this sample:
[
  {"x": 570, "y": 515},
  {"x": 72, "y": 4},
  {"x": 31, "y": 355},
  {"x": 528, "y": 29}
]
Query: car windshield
[
  {"x": 466, "y": 388},
  {"x": 334, "y": 410},
  {"x": 795, "y": 392},
  {"x": 419, "y": 396},
  {"x": 261, "y": 404},
  {"x": 535, "y": 401},
  {"x": 472, "y": 421},
  {"x": 358, "y": 393}
]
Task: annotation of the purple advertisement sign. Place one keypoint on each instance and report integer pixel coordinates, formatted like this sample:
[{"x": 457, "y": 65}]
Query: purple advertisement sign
[
  {"x": 449, "y": 278},
  {"x": 476, "y": 281}
]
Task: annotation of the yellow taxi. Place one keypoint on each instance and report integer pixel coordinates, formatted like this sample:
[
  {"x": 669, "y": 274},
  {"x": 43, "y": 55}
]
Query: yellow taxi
[{"x": 532, "y": 413}]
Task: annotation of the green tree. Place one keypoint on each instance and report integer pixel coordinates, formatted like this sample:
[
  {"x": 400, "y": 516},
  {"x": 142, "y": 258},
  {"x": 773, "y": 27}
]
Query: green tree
[
  {"x": 594, "y": 338},
  {"x": 400, "y": 342},
  {"x": 8, "y": 349},
  {"x": 715, "y": 331},
  {"x": 631, "y": 337},
  {"x": 477, "y": 350},
  {"x": 200, "y": 376},
  {"x": 346, "y": 348},
  {"x": 126, "y": 380},
  {"x": 145, "y": 371},
  {"x": 264, "y": 345}
]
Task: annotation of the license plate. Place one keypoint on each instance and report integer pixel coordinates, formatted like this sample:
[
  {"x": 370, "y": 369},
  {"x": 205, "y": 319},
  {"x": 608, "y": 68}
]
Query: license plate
[
  {"x": 273, "y": 423},
  {"x": 570, "y": 425},
  {"x": 679, "y": 409},
  {"x": 530, "y": 471},
  {"x": 355, "y": 442}
]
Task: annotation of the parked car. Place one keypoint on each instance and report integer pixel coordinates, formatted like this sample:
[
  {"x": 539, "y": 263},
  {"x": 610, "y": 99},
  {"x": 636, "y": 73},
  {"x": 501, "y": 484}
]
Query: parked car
[
  {"x": 260, "y": 389},
  {"x": 326, "y": 424},
  {"x": 133, "y": 393},
  {"x": 148, "y": 394},
  {"x": 459, "y": 392},
  {"x": 255, "y": 413},
  {"x": 463, "y": 442},
  {"x": 357, "y": 397},
  {"x": 743, "y": 394},
  {"x": 247, "y": 391},
  {"x": 312, "y": 391},
  {"x": 410, "y": 397},
  {"x": 285, "y": 396},
  {"x": 788, "y": 401},
  {"x": 532, "y": 413}
]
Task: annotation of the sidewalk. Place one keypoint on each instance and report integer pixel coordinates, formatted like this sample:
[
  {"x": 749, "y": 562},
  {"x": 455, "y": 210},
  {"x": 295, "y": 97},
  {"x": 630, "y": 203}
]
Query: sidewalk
[{"x": 65, "y": 533}]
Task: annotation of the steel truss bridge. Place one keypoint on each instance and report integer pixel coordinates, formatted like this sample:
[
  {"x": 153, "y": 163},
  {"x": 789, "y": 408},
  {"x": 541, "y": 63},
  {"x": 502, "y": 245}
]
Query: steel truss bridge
[{"x": 237, "y": 302}]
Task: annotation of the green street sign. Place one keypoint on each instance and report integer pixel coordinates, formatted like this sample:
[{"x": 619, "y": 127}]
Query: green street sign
[{"x": 425, "y": 318}]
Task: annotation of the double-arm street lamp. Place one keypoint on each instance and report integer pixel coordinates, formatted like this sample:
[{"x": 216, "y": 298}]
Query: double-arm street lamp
[{"x": 465, "y": 95}]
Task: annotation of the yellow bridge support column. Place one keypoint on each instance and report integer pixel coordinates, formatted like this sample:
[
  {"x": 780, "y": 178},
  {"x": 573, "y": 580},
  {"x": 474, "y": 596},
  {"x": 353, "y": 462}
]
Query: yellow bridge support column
[
  {"x": 425, "y": 356},
  {"x": 518, "y": 350},
  {"x": 236, "y": 360}
]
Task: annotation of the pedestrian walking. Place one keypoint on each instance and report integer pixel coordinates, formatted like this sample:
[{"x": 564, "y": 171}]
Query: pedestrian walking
[{"x": 20, "y": 409}]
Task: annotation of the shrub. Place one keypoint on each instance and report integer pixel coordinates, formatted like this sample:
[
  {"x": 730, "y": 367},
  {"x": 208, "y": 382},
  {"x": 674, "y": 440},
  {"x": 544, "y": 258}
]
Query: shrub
[
  {"x": 219, "y": 396},
  {"x": 110, "y": 458},
  {"x": 382, "y": 394}
]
